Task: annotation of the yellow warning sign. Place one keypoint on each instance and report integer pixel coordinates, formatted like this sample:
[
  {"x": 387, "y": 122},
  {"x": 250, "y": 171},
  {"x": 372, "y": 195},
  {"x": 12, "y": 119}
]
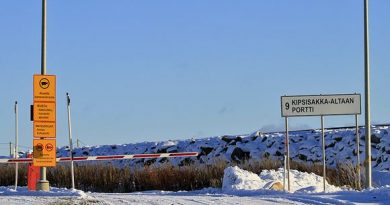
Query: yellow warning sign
[
  {"x": 44, "y": 129},
  {"x": 44, "y": 114},
  {"x": 45, "y": 88},
  {"x": 44, "y": 152}
]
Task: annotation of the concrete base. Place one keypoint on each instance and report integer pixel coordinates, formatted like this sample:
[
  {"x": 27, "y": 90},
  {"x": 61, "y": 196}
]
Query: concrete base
[{"x": 43, "y": 186}]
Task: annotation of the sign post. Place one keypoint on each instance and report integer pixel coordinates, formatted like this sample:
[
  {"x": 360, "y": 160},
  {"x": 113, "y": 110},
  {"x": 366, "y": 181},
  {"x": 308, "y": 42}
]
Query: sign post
[
  {"x": 367, "y": 99},
  {"x": 357, "y": 152},
  {"x": 287, "y": 158},
  {"x": 16, "y": 155},
  {"x": 323, "y": 153},
  {"x": 318, "y": 105},
  {"x": 70, "y": 140},
  {"x": 43, "y": 184}
]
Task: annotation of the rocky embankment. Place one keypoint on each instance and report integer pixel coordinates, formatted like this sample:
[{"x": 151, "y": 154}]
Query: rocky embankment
[{"x": 305, "y": 146}]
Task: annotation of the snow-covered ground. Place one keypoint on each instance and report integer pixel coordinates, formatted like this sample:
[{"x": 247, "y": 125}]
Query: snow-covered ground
[
  {"x": 207, "y": 196},
  {"x": 240, "y": 187}
]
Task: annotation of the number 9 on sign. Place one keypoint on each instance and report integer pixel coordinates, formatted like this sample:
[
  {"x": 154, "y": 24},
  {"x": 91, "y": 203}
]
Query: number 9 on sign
[{"x": 287, "y": 105}]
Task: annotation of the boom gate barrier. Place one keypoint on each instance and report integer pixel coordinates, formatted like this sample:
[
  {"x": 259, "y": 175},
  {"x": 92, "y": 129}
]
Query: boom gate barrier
[{"x": 108, "y": 157}]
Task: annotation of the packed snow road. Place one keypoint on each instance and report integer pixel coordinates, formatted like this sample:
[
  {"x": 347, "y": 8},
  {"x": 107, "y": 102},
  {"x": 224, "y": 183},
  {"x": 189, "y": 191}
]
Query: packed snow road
[
  {"x": 145, "y": 199},
  {"x": 187, "y": 199},
  {"x": 208, "y": 196}
]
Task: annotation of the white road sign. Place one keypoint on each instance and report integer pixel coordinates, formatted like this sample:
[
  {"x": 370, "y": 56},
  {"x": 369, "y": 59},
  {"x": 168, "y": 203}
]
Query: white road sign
[{"x": 316, "y": 105}]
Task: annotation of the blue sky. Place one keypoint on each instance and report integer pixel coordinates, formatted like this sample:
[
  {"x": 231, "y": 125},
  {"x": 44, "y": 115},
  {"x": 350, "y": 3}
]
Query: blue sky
[{"x": 157, "y": 70}]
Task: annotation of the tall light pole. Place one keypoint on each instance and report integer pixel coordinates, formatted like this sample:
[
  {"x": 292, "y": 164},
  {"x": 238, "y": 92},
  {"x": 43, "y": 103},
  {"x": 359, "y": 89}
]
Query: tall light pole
[
  {"x": 43, "y": 184},
  {"x": 16, "y": 144},
  {"x": 70, "y": 140},
  {"x": 367, "y": 97}
]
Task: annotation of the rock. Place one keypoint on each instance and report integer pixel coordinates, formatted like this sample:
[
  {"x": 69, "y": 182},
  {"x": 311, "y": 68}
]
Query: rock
[
  {"x": 378, "y": 161},
  {"x": 206, "y": 150},
  {"x": 293, "y": 140},
  {"x": 172, "y": 149},
  {"x": 302, "y": 157},
  {"x": 149, "y": 162},
  {"x": 233, "y": 142},
  {"x": 163, "y": 160},
  {"x": 266, "y": 154},
  {"x": 275, "y": 185},
  {"x": 338, "y": 138},
  {"x": 239, "y": 155},
  {"x": 269, "y": 146},
  {"x": 186, "y": 161},
  {"x": 162, "y": 150},
  {"x": 227, "y": 139},
  {"x": 278, "y": 153},
  {"x": 264, "y": 139},
  {"x": 375, "y": 139},
  {"x": 330, "y": 145}
]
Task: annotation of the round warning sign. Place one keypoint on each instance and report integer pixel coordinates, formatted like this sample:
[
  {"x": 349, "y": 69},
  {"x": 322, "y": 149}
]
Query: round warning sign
[
  {"x": 39, "y": 147},
  {"x": 49, "y": 147},
  {"x": 44, "y": 83}
]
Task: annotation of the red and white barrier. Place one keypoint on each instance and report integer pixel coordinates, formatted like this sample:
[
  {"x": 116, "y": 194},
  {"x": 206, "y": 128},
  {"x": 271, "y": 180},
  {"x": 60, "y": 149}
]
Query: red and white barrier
[{"x": 108, "y": 157}]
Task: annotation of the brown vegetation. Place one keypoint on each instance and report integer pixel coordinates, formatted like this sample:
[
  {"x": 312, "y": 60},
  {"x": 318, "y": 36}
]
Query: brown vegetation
[{"x": 108, "y": 178}]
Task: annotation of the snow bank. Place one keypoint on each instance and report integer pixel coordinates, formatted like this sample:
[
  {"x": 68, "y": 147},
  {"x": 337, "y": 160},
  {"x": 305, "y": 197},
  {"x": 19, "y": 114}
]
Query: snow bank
[
  {"x": 238, "y": 179},
  {"x": 54, "y": 192},
  {"x": 300, "y": 181},
  {"x": 235, "y": 178},
  {"x": 380, "y": 178}
]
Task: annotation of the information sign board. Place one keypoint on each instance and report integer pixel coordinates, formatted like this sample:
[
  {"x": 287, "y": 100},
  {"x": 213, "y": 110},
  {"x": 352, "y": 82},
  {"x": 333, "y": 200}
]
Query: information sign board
[
  {"x": 317, "y": 105},
  {"x": 44, "y": 152},
  {"x": 44, "y": 115}
]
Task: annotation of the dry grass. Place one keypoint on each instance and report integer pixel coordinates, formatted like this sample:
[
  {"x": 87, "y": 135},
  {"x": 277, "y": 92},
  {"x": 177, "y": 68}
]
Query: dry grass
[
  {"x": 7, "y": 174},
  {"x": 108, "y": 178}
]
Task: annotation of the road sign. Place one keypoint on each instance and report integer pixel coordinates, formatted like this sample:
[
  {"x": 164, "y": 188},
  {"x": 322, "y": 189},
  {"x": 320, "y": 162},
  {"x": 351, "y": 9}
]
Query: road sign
[
  {"x": 44, "y": 152},
  {"x": 45, "y": 88},
  {"x": 44, "y": 129},
  {"x": 44, "y": 114},
  {"x": 317, "y": 105}
]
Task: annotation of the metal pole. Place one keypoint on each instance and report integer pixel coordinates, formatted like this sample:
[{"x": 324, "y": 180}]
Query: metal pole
[
  {"x": 16, "y": 144},
  {"x": 288, "y": 155},
  {"x": 43, "y": 47},
  {"x": 70, "y": 140},
  {"x": 367, "y": 97},
  {"x": 323, "y": 152},
  {"x": 10, "y": 149},
  {"x": 43, "y": 184},
  {"x": 358, "y": 152},
  {"x": 284, "y": 172}
]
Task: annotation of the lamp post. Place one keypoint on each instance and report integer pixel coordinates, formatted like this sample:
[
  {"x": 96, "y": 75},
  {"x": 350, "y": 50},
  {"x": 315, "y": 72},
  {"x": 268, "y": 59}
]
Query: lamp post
[
  {"x": 367, "y": 97},
  {"x": 43, "y": 184}
]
